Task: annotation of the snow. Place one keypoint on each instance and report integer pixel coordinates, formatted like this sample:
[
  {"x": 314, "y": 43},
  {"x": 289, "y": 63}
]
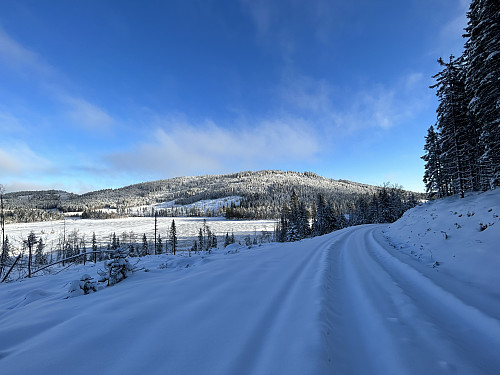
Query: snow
[
  {"x": 187, "y": 228},
  {"x": 492, "y": 55},
  {"x": 457, "y": 233},
  {"x": 211, "y": 205},
  {"x": 372, "y": 299}
]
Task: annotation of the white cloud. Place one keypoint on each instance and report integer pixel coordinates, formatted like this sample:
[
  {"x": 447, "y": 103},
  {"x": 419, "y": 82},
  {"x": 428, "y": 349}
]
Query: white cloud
[
  {"x": 449, "y": 38},
  {"x": 30, "y": 64},
  {"x": 20, "y": 58},
  {"x": 180, "y": 148},
  {"x": 373, "y": 106},
  {"x": 10, "y": 124},
  {"x": 381, "y": 107},
  {"x": 21, "y": 185},
  {"x": 271, "y": 30},
  {"x": 87, "y": 114},
  {"x": 261, "y": 13},
  {"x": 19, "y": 159},
  {"x": 306, "y": 94}
]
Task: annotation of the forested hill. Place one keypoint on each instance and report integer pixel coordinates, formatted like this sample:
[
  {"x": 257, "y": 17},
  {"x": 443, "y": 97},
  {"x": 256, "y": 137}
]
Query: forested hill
[{"x": 263, "y": 193}]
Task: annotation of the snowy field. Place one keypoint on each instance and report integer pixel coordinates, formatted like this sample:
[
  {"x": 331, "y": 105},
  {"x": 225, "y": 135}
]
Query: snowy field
[
  {"x": 187, "y": 229},
  {"x": 384, "y": 299}
]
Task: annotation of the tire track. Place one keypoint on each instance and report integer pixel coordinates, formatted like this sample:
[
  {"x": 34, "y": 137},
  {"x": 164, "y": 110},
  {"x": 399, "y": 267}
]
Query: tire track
[
  {"x": 385, "y": 317},
  {"x": 275, "y": 318},
  {"x": 473, "y": 336}
]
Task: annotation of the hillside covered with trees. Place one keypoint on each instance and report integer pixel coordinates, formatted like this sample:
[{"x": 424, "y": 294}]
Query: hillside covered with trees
[{"x": 262, "y": 193}]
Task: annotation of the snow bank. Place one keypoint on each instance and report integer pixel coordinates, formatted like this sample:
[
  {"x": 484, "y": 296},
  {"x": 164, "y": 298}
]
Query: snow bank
[{"x": 460, "y": 237}]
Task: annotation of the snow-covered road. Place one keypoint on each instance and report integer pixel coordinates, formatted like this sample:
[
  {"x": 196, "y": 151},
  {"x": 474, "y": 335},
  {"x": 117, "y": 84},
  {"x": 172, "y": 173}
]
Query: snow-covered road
[
  {"x": 394, "y": 315},
  {"x": 344, "y": 303}
]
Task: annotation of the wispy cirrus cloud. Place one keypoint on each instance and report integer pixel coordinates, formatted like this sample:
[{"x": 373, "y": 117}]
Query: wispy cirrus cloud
[
  {"x": 10, "y": 124},
  {"x": 182, "y": 148},
  {"x": 29, "y": 64},
  {"x": 21, "y": 59},
  {"x": 280, "y": 25},
  {"x": 86, "y": 114},
  {"x": 449, "y": 38},
  {"x": 19, "y": 159},
  {"x": 372, "y": 106},
  {"x": 262, "y": 13},
  {"x": 305, "y": 94}
]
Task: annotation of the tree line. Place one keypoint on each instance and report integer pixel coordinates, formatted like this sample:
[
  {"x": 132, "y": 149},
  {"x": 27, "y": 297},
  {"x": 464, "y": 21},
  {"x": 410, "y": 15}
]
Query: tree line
[
  {"x": 298, "y": 221},
  {"x": 462, "y": 151},
  {"x": 261, "y": 195}
]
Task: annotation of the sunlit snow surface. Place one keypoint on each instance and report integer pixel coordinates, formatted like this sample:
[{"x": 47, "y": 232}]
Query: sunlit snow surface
[
  {"x": 187, "y": 229},
  {"x": 364, "y": 300}
]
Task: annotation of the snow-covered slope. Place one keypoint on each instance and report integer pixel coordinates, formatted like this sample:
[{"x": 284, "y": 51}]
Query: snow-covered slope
[
  {"x": 457, "y": 236},
  {"x": 264, "y": 191},
  {"x": 356, "y": 301}
]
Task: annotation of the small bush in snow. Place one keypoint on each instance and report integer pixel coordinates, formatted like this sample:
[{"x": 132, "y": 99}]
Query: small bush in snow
[
  {"x": 83, "y": 286},
  {"x": 116, "y": 269}
]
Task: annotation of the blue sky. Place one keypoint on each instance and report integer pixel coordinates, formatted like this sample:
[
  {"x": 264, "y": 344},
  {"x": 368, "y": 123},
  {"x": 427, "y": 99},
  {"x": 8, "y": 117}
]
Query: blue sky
[{"x": 101, "y": 94}]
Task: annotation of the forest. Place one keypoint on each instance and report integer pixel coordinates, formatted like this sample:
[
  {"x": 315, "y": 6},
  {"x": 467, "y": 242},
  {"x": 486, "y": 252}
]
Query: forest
[
  {"x": 462, "y": 150},
  {"x": 262, "y": 196}
]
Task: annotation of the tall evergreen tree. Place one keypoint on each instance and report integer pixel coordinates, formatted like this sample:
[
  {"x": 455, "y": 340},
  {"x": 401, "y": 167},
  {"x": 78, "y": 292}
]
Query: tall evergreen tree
[
  {"x": 145, "y": 246},
  {"x": 227, "y": 240},
  {"x": 319, "y": 227},
  {"x": 482, "y": 81},
  {"x": 114, "y": 242},
  {"x": 452, "y": 122},
  {"x": 434, "y": 184},
  {"x": 201, "y": 240},
  {"x": 94, "y": 247},
  {"x": 40, "y": 256},
  {"x": 159, "y": 245},
  {"x": 293, "y": 231},
  {"x": 29, "y": 243},
  {"x": 303, "y": 221},
  {"x": 5, "y": 254},
  {"x": 173, "y": 237}
]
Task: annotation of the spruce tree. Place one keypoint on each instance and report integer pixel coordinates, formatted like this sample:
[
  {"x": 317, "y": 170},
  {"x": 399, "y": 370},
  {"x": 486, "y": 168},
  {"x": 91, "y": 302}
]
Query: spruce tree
[
  {"x": 320, "y": 224},
  {"x": 29, "y": 243},
  {"x": 303, "y": 221},
  {"x": 159, "y": 245},
  {"x": 201, "y": 240},
  {"x": 94, "y": 247},
  {"x": 434, "y": 184},
  {"x": 114, "y": 242},
  {"x": 40, "y": 256},
  {"x": 452, "y": 123},
  {"x": 293, "y": 230},
  {"x": 145, "y": 247},
  {"x": 482, "y": 81},
  {"x": 227, "y": 240},
  {"x": 5, "y": 255},
  {"x": 173, "y": 237}
]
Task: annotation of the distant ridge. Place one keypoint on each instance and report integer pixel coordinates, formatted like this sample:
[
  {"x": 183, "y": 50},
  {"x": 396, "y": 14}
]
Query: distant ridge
[{"x": 263, "y": 191}]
